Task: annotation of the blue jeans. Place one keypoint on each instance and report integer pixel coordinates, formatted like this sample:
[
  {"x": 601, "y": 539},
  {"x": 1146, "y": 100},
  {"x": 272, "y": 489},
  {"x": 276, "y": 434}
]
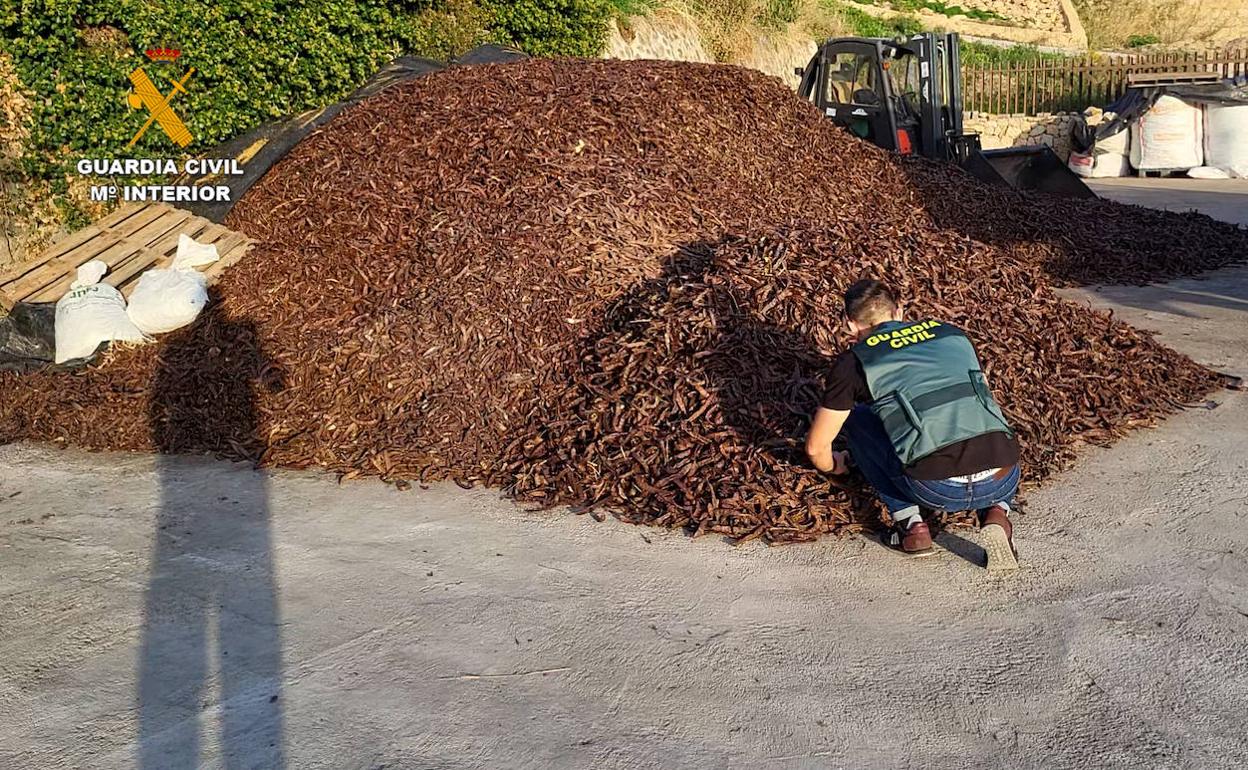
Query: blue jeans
[{"x": 902, "y": 495}]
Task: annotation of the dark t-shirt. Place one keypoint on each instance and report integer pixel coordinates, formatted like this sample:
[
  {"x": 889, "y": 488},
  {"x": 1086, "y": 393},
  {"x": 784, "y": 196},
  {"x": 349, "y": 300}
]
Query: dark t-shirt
[{"x": 847, "y": 385}]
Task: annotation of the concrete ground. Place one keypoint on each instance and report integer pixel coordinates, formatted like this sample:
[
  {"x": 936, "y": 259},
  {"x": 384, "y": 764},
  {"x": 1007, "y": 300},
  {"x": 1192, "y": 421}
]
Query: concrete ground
[
  {"x": 175, "y": 612},
  {"x": 1225, "y": 199}
]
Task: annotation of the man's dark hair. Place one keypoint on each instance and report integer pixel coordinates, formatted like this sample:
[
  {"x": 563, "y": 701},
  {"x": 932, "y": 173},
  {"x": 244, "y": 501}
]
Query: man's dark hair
[{"x": 869, "y": 302}]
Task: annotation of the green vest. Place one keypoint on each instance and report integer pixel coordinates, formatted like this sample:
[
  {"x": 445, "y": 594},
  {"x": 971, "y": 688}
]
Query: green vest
[{"x": 927, "y": 387}]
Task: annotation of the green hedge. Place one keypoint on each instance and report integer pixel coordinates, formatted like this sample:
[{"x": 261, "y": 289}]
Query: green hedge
[
  {"x": 254, "y": 60},
  {"x": 863, "y": 24},
  {"x": 983, "y": 54},
  {"x": 552, "y": 27},
  {"x": 1137, "y": 41},
  {"x": 778, "y": 13}
]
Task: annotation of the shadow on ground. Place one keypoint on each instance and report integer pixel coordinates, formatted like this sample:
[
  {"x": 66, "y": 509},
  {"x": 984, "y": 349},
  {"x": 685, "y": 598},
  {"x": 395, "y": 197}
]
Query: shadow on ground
[
  {"x": 210, "y": 665},
  {"x": 1183, "y": 298}
]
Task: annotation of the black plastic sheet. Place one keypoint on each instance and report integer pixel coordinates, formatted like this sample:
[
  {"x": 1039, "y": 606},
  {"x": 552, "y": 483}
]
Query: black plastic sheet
[{"x": 27, "y": 338}]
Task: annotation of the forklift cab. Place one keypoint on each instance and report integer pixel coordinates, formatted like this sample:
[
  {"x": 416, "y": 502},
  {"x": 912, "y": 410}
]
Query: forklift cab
[{"x": 868, "y": 86}]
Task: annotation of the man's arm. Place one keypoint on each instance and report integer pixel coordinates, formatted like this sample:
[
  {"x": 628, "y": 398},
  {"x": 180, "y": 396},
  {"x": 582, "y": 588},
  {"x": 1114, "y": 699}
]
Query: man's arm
[{"x": 823, "y": 430}]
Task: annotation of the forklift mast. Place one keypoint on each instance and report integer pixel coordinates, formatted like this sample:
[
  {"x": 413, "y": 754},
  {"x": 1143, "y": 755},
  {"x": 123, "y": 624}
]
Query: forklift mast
[{"x": 940, "y": 96}]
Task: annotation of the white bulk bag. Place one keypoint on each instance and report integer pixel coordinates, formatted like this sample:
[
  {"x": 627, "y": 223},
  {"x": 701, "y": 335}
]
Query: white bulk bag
[
  {"x": 1111, "y": 154},
  {"x": 1110, "y": 164},
  {"x": 1226, "y": 138},
  {"x": 90, "y": 313},
  {"x": 1168, "y": 136},
  {"x": 168, "y": 299},
  {"x": 1108, "y": 158},
  {"x": 1114, "y": 144}
]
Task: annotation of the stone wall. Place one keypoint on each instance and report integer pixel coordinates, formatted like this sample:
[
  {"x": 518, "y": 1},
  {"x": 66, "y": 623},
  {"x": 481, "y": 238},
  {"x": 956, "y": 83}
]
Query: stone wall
[
  {"x": 779, "y": 55},
  {"x": 997, "y": 131},
  {"x": 671, "y": 35},
  {"x": 662, "y": 35}
]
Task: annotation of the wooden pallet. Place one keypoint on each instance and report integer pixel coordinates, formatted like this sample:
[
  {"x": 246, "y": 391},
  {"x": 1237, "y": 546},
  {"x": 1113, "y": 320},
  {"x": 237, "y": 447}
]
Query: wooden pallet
[
  {"x": 1145, "y": 79},
  {"x": 130, "y": 240}
]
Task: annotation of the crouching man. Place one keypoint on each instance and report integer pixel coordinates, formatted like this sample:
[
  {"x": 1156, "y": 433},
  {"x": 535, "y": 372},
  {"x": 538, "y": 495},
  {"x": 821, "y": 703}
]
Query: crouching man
[{"x": 920, "y": 423}]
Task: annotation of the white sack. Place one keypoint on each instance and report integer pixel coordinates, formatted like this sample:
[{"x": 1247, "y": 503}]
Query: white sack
[
  {"x": 90, "y": 313},
  {"x": 1226, "y": 138},
  {"x": 1207, "y": 172},
  {"x": 1108, "y": 165},
  {"x": 1080, "y": 163},
  {"x": 168, "y": 299},
  {"x": 1108, "y": 158}
]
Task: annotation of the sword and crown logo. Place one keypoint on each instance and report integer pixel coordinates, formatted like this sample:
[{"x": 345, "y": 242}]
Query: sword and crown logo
[{"x": 146, "y": 96}]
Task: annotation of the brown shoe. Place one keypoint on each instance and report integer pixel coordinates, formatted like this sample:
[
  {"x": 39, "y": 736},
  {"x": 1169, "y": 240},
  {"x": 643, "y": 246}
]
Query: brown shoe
[
  {"x": 998, "y": 532},
  {"x": 916, "y": 539}
]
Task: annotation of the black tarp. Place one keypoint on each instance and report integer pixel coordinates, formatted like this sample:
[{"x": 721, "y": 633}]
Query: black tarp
[
  {"x": 1229, "y": 91},
  {"x": 260, "y": 149},
  {"x": 489, "y": 54},
  {"x": 27, "y": 340}
]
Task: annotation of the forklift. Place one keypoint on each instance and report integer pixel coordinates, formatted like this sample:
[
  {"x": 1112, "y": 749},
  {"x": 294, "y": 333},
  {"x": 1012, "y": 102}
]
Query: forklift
[{"x": 906, "y": 96}]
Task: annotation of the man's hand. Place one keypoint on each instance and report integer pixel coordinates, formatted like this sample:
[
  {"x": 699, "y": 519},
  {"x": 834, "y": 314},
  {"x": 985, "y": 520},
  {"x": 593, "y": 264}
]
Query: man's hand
[
  {"x": 840, "y": 463},
  {"x": 823, "y": 430}
]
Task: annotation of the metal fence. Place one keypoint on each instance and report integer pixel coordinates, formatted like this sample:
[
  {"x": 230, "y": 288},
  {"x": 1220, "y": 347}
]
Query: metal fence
[{"x": 1063, "y": 85}]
